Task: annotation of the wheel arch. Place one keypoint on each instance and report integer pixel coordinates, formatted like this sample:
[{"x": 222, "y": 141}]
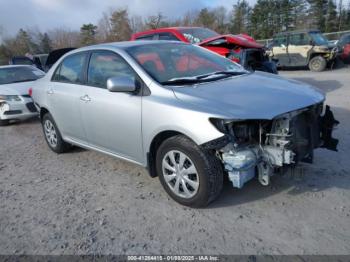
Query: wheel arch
[
  {"x": 312, "y": 55},
  {"x": 43, "y": 111},
  {"x": 154, "y": 145}
]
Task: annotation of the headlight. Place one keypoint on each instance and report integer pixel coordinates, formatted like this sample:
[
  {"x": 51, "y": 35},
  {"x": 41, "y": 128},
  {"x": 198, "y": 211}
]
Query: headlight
[{"x": 9, "y": 98}]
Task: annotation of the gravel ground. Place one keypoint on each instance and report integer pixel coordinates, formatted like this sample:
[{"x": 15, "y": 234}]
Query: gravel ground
[{"x": 84, "y": 202}]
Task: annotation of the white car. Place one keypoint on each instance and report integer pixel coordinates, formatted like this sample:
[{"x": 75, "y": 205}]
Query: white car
[{"x": 15, "y": 100}]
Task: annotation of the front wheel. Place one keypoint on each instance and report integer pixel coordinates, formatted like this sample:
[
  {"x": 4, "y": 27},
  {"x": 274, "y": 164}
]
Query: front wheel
[
  {"x": 317, "y": 64},
  {"x": 192, "y": 176},
  {"x": 53, "y": 136}
]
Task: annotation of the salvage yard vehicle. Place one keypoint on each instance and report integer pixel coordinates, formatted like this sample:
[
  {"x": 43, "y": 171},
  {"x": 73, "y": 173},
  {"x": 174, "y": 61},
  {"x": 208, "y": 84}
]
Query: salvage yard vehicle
[
  {"x": 303, "y": 48},
  {"x": 241, "y": 49},
  {"x": 344, "y": 48},
  {"x": 15, "y": 100},
  {"x": 187, "y": 114}
]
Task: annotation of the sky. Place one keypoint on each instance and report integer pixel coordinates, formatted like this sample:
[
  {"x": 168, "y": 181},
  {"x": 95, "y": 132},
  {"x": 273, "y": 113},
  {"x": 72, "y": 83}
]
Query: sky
[{"x": 48, "y": 14}]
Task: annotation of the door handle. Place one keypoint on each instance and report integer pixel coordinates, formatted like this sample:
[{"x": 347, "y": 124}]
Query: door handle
[
  {"x": 85, "y": 98},
  {"x": 50, "y": 92}
]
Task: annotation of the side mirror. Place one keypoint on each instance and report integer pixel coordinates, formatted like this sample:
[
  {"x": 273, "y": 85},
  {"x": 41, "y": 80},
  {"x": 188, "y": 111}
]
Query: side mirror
[{"x": 121, "y": 84}]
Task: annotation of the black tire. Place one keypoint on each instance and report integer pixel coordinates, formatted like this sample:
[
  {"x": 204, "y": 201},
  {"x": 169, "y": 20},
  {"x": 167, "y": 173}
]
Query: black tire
[
  {"x": 317, "y": 64},
  {"x": 209, "y": 169},
  {"x": 4, "y": 122},
  {"x": 61, "y": 146}
]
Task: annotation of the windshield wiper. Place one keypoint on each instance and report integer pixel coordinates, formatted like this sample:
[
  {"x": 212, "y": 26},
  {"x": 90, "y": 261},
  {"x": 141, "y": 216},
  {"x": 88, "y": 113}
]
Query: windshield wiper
[
  {"x": 229, "y": 73},
  {"x": 181, "y": 80},
  {"x": 200, "y": 78}
]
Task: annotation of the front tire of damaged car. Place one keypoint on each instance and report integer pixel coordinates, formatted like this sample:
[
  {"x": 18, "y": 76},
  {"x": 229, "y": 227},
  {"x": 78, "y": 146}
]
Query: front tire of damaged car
[{"x": 191, "y": 175}]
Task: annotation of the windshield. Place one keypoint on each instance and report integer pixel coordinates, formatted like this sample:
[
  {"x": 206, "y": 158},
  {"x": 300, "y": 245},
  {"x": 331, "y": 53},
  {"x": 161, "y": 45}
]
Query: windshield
[
  {"x": 21, "y": 61},
  {"x": 171, "y": 62},
  {"x": 18, "y": 74},
  {"x": 197, "y": 35},
  {"x": 318, "y": 38}
]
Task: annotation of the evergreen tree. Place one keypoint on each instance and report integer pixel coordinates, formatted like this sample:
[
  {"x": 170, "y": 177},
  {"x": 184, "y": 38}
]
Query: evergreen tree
[
  {"x": 205, "y": 18},
  {"x": 23, "y": 43},
  {"x": 45, "y": 43},
  {"x": 87, "y": 33},
  {"x": 120, "y": 26},
  {"x": 240, "y": 17},
  {"x": 317, "y": 12},
  {"x": 331, "y": 17}
]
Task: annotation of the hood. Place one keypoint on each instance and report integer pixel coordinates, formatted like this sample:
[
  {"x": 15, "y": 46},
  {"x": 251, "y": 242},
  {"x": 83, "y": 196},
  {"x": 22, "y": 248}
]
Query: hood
[
  {"x": 240, "y": 40},
  {"x": 16, "y": 88},
  {"x": 251, "y": 96}
]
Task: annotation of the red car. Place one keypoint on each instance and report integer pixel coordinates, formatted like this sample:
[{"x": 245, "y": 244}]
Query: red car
[
  {"x": 344, "y": 47},
  {"x": 242, "y": 48}
]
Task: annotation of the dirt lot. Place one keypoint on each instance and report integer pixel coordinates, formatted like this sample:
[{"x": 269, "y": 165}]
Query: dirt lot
[{"x": 85, "y": 202}]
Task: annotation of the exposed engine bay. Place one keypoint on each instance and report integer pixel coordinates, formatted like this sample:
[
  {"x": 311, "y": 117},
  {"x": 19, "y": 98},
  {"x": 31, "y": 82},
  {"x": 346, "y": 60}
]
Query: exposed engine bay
[{"x": 263, "y": 147}]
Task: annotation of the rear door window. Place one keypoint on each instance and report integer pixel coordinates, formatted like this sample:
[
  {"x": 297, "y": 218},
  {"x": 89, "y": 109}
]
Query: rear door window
[
  {"x": 106, "y": 64},
  {"x": 71, "y": 69}
]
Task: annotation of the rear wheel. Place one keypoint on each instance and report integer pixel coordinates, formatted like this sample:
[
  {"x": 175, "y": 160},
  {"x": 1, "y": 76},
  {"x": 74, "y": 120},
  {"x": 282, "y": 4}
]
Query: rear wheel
[
  {"x": 192, "y": 176},
  {"x": 317, "y": 64},
  {"x": 53, "y": 136}
]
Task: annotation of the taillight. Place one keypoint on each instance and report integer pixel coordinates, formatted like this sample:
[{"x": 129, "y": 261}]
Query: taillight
[{"x": 30, "y": 91}]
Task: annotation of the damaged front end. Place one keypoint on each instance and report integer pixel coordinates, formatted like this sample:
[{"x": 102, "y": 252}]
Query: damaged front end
[{"x": 262, "y": 147}]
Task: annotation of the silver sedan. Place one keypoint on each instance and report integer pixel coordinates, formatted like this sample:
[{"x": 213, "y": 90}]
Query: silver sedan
[
  {"x": 189, "y": 115},
  {"x": 15, "y": 100}
]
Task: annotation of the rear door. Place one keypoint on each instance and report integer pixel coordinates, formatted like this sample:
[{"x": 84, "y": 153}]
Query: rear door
[
  {"x": 112, "y": 120},
  {"x": 65, "y": 93}
]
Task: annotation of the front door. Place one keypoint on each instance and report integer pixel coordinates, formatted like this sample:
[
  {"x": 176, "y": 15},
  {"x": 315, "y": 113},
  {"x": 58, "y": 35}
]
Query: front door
[
  {"x": 298, "y": 49},
  {"x": 279, "y": 50},
  {"x": 112, "y": 120}
]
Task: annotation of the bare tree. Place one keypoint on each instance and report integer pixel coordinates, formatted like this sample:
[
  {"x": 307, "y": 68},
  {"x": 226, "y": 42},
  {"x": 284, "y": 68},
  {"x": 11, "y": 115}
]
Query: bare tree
[
  {"x": 190, "y": 17},
  {"x": 220, "y": 14},
  {"x": 136, "y": 23},
  {"x": 104, "y": 27},
  {"x": 154, "y": 21},
  {"x": 63, "y": 37}
]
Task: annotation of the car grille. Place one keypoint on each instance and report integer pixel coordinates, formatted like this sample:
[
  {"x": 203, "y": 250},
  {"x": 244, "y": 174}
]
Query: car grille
[
  {"x": 31, "y": 107},
  {"x": 13, "y": 112}
]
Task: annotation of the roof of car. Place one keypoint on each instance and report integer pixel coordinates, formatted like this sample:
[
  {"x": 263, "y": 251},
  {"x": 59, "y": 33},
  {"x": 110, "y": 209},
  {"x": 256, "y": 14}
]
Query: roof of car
[
  {"x": 12, "y": 66},
  {"x": 127, "y": 44},
  {"x": 298, "y": 31},
  {"x": 170, "y": 28}
]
